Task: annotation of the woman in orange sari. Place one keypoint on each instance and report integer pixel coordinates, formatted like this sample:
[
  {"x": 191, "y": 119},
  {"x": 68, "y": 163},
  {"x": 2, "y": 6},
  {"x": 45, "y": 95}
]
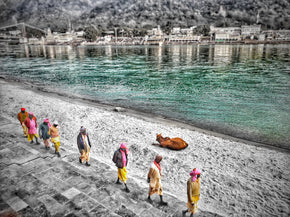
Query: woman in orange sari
[
  {"x": 21, "y": 117},
  {"x": 154, "y": 180}
]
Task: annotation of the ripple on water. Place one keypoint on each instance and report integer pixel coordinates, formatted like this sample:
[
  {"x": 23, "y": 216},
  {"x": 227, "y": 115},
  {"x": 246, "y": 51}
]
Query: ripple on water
[{"x": 241, "y": 90}]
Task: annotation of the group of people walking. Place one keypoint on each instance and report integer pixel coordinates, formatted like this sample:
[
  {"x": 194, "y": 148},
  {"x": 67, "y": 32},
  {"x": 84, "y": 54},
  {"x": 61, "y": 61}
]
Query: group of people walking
[
  {"x": 120, "y": 158},
  {"x": 46, "y": 131},
  {"x": 49, "y": 132}
]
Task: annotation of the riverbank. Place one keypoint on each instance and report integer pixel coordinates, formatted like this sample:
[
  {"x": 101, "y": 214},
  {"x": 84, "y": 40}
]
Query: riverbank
[
  {"x": 245, "y": 42},
  {"x": 237, "y": 178},
  {"x": 134, "y": 42},
  {"x": 35, "y": 182}
]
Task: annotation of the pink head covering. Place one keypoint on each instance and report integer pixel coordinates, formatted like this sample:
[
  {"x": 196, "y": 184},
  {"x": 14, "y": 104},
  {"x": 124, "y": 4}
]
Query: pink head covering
[
  {"x": 124, "y": 146},
  {"x": 30, "y": 113},
  {"x": 46, "y": 120},
  {"x": 194, "y": 173}
]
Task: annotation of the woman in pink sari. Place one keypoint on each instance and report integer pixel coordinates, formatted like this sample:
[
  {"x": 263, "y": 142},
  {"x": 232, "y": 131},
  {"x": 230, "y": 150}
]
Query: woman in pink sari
[
  {"x": 120, "y": 158},
  {"x": 30, "y": 123}
]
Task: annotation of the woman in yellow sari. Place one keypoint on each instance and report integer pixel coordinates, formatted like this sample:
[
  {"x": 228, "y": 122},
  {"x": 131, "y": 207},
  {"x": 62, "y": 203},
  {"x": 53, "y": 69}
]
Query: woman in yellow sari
[
  {"x": 193, "y": 187},
  {"x": 120, "y": 159},
  {"x": 84, "y": 146},
  {"x": 54, "y": 134}
]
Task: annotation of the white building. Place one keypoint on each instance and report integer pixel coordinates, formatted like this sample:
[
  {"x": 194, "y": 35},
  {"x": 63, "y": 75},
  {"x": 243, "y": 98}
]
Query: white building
[
  {"x": 175, "y": 31},
  {"x": 226, "y": 34},
  {"x": 283, "y": 35},
  {"x": 183, "y": 32},
  {"x": 155, "y": 32},
  {"x": 250, "y": 31},
  {"x": 230, "y": 30},
  {"x": 155, "y": 36},
  {"x": 184, "y": 39},
  {"x": 64, "y": 38},
  {"x": 49, "y": 37},
  {"x": 269, "y": 34}
]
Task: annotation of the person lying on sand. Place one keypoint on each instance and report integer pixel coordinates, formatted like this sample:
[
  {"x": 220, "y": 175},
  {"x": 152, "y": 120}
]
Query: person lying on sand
[
  {"x": 154, "y": 180},
  {"x": 193, "y": 188},
  {"x": 120, "y": 159}
]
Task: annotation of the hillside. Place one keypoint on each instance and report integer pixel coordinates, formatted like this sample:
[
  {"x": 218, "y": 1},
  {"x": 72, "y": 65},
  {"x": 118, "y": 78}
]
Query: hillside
[{"x": 271, "y": 14}]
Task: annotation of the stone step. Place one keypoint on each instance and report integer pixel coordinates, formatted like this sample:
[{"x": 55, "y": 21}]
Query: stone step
[{"x": 35, "y": 182}]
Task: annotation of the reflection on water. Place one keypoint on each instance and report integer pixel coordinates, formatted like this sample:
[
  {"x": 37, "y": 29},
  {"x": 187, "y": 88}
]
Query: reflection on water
[
  {"x": 241, "y": 90},
  {"x": 212, "y": 54},
  {"x": 222, "y": 54}
]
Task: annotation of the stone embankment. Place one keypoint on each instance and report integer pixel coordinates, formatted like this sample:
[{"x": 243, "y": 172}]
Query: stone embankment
[{"x": 35, "y": 182}]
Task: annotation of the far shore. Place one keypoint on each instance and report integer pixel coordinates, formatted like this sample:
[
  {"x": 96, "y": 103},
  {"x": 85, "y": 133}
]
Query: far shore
[{"x": 76, "y": 44}]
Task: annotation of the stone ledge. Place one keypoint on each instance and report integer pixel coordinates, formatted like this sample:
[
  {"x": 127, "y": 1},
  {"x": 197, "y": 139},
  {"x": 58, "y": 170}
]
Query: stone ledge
[{"x": 37, "y": 183}]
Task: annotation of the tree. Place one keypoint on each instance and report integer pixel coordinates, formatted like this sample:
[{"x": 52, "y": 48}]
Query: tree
[
  {"x": 202, "y": 29},
  {"x": 90, "y": 33}
]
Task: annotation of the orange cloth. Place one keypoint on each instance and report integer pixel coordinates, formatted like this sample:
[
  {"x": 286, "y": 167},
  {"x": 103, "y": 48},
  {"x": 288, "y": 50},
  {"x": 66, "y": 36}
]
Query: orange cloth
[
  {"x": 85, "y": 155},
  {"x": 53, "y": 132},
  {"x": 21, "y": 117}
]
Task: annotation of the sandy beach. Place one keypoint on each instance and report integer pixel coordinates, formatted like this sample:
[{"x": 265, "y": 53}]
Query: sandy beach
[{"x": 238, "y": 178}]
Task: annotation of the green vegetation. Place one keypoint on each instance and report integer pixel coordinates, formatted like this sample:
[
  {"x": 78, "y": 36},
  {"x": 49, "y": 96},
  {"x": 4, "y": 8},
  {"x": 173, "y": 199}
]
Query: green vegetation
[{"x": 141, "y": 15}]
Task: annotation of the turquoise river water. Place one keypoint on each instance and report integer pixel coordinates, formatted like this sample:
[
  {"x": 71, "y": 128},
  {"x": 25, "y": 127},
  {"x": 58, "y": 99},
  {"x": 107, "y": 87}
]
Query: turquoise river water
[{"x": 239, "y": 90}]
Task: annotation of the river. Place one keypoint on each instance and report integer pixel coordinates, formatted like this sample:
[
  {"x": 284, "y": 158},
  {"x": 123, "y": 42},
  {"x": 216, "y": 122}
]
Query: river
[{"x": 238, "y": 90}]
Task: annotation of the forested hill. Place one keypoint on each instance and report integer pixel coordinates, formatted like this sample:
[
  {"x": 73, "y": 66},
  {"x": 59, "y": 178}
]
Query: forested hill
[{"x": 145, "y": 14}]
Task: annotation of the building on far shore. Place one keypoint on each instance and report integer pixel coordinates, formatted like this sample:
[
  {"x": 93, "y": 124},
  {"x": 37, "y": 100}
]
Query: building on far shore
[
  {"x": 250, "y": 32},
  {"x": 225, "y": 34},
  {"x": 244, "y": 34},
  {"x": 269, "y": 35},
  {"x": 156, "y": 32},
  {"x": 184, "y": 39},
  {"x": 183, "y": 36},
  {"x": 177, "y": 31},
  {"x": 283, "y": 35},
  {"x": 49, "y": 37},
  {"x": 154, "y": 36},
  {"x": 64, "y": 38},
  {"x": 35, "y": 40}
]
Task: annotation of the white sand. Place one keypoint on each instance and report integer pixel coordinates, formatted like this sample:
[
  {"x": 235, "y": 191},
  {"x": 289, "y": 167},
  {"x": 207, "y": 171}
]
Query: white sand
[{"x": 237, "y": 179}]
